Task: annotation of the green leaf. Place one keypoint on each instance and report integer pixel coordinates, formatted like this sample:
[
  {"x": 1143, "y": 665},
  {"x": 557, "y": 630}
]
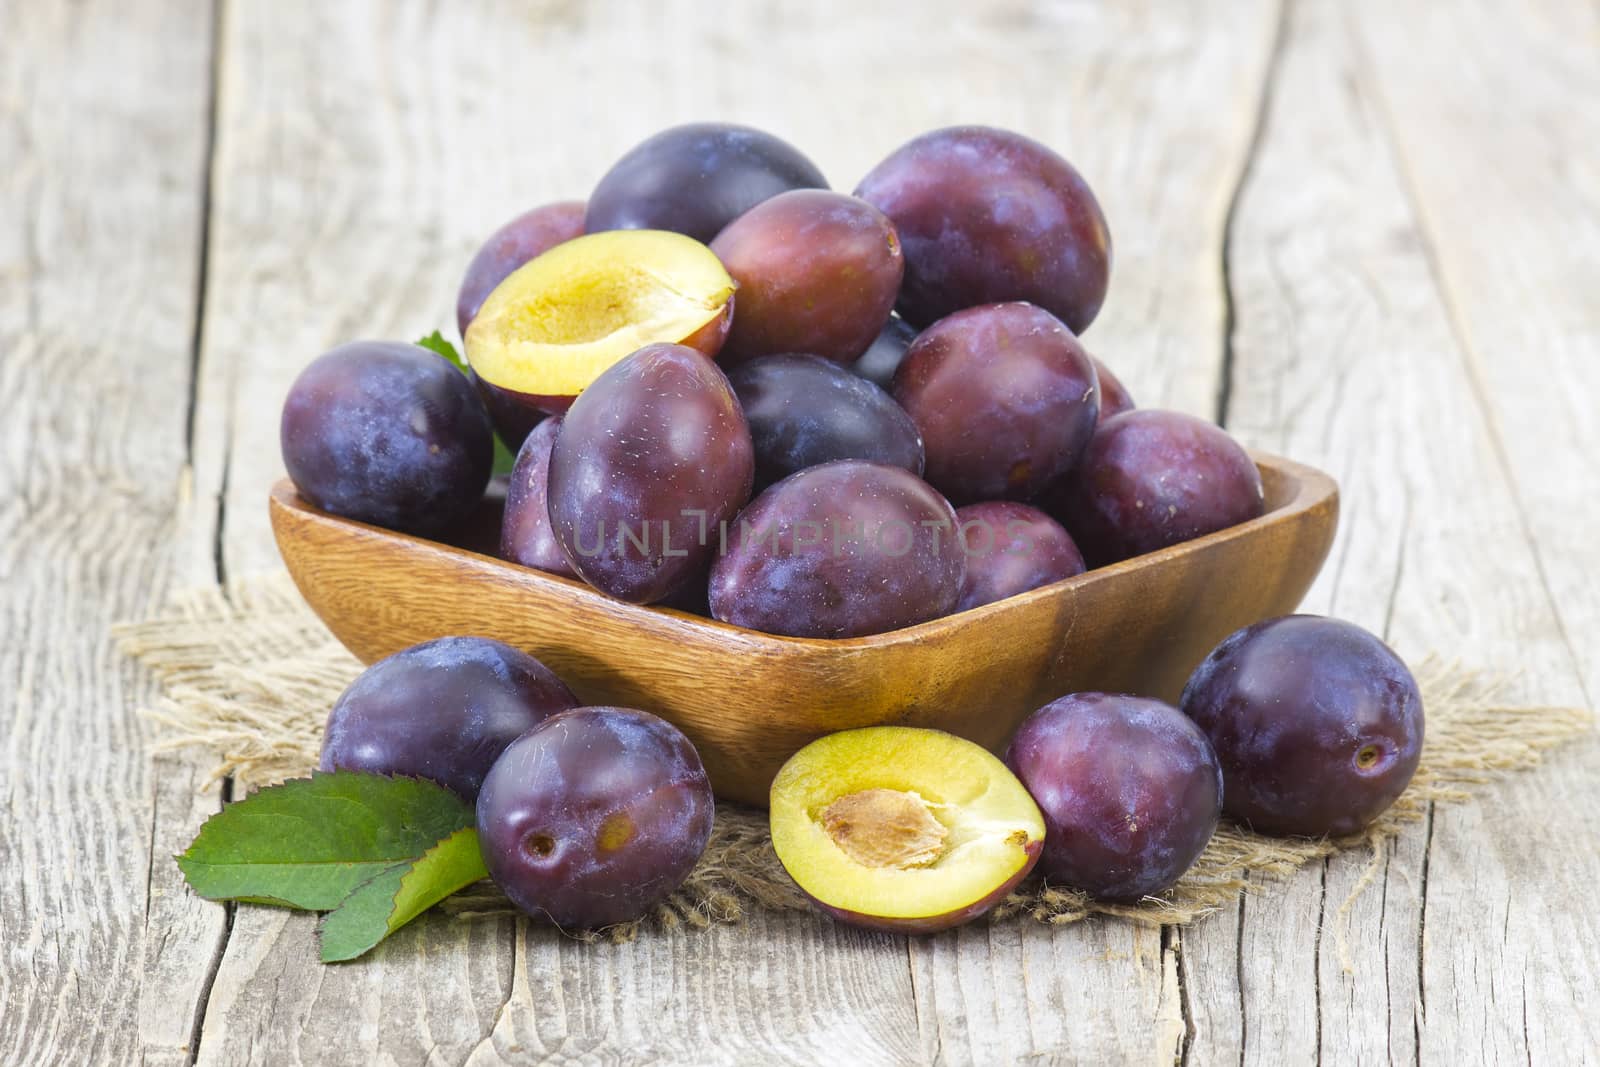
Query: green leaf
[
  {"x": 398, "y": 895},
  {"x": 310, "y": 842},
  {"x": 436, "y": 342},
  {"x": 504, "y": 458}
]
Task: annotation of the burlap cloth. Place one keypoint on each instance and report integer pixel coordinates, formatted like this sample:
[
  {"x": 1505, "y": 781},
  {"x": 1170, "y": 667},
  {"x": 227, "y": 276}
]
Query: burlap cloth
[{"x": 248, "y": 673}]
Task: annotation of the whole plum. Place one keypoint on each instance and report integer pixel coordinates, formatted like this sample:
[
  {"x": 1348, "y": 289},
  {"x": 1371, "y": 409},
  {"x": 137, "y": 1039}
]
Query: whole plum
[
  {"x": 650, "y": 460},
  {"x": 1011, "y": 548},
  {"x": 387, "y": 433},
  {"x": 841, "y": 550},
  {"x": 595, "y": 816},
  {"x": 1005, "y": 398},
  {"x": 1130, "y": 791},
  {"x": 818, "y": 272},
  {"x": 1114, "y": 396},
  {"x": 805, "y": 410},
  {"x": 512, "y": 245},
  {"x": 1153, "y": 478},
  {"x": 695, "y": 179},
  {"x": 882, "y": 358},
  {"x": 987, "y": 216},
  {"x": 442, "y": 710},
  {"x": 526, "y": 536},
  {"x": 1317, "y": 723}
]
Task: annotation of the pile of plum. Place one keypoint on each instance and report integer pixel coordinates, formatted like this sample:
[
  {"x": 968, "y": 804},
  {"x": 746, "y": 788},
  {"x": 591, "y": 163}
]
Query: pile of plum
[
  {"x": 732, "y": 391},
  {"x": 837, "y": 416}
]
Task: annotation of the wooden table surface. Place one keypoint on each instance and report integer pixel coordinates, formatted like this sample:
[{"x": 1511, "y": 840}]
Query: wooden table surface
[{"x": 1365, "y": 235}]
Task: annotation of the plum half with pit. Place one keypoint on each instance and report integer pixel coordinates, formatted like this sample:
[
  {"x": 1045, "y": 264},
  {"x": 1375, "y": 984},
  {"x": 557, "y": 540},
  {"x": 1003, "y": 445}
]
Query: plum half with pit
[
  {"x": 697, "y": 178},
  {"x": 1153, "y": 478},
  {"x": 387, "y": 433},
  {"x": 845, "y": 549},
  {"x": 442, "y": 710},
  {"x": 987, "y": 216},
  {"x": 1130, "y": 789},
  {"x": 805, "y": 410},
  {"x": 1318, "y": 724},
  {"x": 1005, "y": 397},
  {"x": 818, "y": 272},
  {"x": 557, "y": 322},
  {"x": 1011, "y": 548},
  {"x": 902, "y": 829},
  {"x": 649, "y": 462},
  {"x": 526, "y": 536},
  {"x": 595, "y": 816}
]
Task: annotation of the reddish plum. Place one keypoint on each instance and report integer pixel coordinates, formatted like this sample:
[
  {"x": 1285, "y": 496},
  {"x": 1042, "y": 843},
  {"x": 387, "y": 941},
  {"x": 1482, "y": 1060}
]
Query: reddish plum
[
  {"x": 526, "y": 536},
  {"x": 528, "y": 235},
  {"x": 841, "y": 550},
  {"x": 1152, "y": 478},
  {"x": 1318, "y": 724},
  {"x": 1011, "y": 548},
  {"x": 988, "y": 216},
  {"x": 594, "y": 816},
  {"x": 1005, "y": 398},
  {"x": 442, "y": 710},
  {"x": 1130, "y": 791}
]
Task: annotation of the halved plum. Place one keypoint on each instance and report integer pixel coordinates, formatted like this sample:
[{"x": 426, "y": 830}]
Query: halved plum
[
  {"x": 561, "y": 319},
  {"x": 903, "y": 829}
]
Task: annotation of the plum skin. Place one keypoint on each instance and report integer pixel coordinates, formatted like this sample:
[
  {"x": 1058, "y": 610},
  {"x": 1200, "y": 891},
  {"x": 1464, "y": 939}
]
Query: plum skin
[
  {"x": 1010, "y": 549},
  {"x": 1005, "y": 397},
  {"x": 818, "y": 272},
  {"x": 883, "y": 357},
  {"x": 595, "y": 816},
  {"x": 822, "y": 554},
  {"x": 1153, "y": 478},
  {"x": 512, "y": 245},
  {"x": 442, "y": 710},
  {"x": 697, "y": 178},
  {"x": 650, "y": 460},
  {"x": 526, "y": 536},
  {"x": 1114, "y": 396},
  {"x": 987, "y": 216},
  {"x": 1130, "y": 789},
  {"x": 1317, "y": 723},
  {"x": 805, "y": 410},
  {"x": 387, "y": 433}
]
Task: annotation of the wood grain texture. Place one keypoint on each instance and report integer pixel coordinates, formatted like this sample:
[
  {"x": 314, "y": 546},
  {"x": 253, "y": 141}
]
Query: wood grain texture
[
  {"x": 102, "y": 137},
  {"x": 1137, "y": 627},
  {"x": 1344, "y": 352}
]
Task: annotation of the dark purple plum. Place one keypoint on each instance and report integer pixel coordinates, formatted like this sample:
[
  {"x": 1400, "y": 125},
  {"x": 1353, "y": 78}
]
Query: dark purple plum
[
  {"x": 1114, "y": 396},
  {"x": 806, "y": 410},
  {"x": 1011, "y": 548},
  {"x": 1005, "y": 398},
  {"x": 387, "y": 433},
  {"x": 1130, "y": 790},
  {"x": 526, "y": 536},
  {"x": 696, "y": 179},
  {"x": 987, "y": 216},
  {"x": 512, "y": 245},
  {"x": 1153, "y": 478},
  {"x": 651, "y": 459},
  {"x": 818, "y": 272},
  {"x": 1317, "y": 723},
  {"x": 882, "y": 358},
  {"x": 841, "y": 550},
  {"x": 513, "y": 418},
  {"x": 595, "y": 816},
  {"x": 442, "y": 710}
]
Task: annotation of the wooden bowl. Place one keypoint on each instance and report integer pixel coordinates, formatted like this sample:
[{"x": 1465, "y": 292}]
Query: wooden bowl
[{"x": 750, "y": 700}]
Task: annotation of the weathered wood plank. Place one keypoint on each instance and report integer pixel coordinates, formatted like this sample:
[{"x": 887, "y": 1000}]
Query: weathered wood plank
[
  {"x": 102, "y": 133},
  {"x": 1344, "y": 354}
]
